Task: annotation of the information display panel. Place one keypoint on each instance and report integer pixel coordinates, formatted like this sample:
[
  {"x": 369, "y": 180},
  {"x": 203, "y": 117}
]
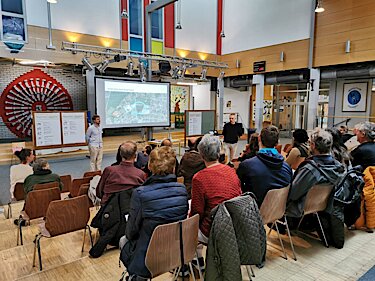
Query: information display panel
[
  {"x": 199, "y": 122},
  {"x": 47, "y": 129},
  {"x": 58, "y": 129},
  {"x": 73, "y": 127}
]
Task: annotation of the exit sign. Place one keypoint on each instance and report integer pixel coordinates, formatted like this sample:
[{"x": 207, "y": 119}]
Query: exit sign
[{"x": 259, "y": 66}]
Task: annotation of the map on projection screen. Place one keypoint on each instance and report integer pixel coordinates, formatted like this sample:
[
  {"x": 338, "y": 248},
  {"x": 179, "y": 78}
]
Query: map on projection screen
[{"x": 135, "y": 104}]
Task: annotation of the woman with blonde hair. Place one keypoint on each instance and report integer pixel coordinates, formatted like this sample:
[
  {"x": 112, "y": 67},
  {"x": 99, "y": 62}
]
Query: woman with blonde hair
[{"x": 160, "y": 200}]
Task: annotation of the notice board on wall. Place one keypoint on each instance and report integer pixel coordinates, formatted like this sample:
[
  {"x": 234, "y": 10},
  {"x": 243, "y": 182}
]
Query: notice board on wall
[
  {"x": 56, "y": 129},
  {"x": 199, "y": 122}
]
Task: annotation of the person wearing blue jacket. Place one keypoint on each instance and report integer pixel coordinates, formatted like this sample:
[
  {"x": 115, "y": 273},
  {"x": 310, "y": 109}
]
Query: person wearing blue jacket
[
  {"x": 267, "y": 170},
  {"x": 158, "y": 201}
]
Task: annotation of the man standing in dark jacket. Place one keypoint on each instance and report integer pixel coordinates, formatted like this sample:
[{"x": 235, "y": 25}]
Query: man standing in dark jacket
[
  {"x": 231, "y": 132},
  {"x": 267, "y": 170},
  {"x": 159, "y": 201}
]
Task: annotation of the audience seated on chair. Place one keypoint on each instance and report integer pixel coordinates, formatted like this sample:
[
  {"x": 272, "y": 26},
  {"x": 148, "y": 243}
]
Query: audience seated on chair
[
  {"x": 267, "y": 170},
  {"x": 345, "y": 136},
  {"x": 212, "y": 185},
  {"x": 251, "y": 149},
  {"x": 18, "y": 173},
  {"x": 142, "y": 157},
  {"x": 118, "y": 157},
  {"x": 367, "y": 216},
  {"x": 191, "y": 163},
  {"x": 159, "y": 200},
  {"x": 41, "y": 174},
  {"x": 364, "y": 154},
  {"x": 309, "y": 174},
  {"x": 300, "y": 150},
  {"x": 124, "y": 176},
  {"x": 168, "y": 142},
  {"x": 339, "y": 150}
]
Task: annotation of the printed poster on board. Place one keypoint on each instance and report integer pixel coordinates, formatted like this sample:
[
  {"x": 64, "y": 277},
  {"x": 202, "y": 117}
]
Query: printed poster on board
[{"x": 179, "y": 98}]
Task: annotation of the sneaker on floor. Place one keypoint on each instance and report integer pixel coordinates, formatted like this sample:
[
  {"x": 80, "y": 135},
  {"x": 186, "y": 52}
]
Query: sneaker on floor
[
  {"x": 200, "y": 261},
  {"x": 184, "y": 272}
]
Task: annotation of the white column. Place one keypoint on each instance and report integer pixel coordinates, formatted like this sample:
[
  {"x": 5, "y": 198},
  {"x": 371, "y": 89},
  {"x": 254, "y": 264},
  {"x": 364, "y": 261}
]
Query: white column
[
  {"x": 258, "y": 81},
  {"x": 220, "y": 111},
  {"x": 313, "y": 103}
]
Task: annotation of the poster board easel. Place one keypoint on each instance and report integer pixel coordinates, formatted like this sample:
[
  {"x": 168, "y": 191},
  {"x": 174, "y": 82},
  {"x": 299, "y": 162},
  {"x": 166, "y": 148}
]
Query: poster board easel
[
  {"x": 48, "y": 129},
  {"x": 199, "y": 122}
]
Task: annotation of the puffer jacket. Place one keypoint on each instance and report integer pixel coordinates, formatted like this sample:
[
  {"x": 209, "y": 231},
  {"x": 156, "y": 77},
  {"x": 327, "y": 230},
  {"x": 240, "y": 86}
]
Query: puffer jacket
[
  {"x": 237, "y": 238},
  {"x": 367, "y": 218},
  {"x": 159, "y": 200}
]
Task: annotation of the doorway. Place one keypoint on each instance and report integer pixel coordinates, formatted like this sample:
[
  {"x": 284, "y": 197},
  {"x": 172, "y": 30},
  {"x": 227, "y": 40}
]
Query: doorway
[{"x": 290, "y": 108}]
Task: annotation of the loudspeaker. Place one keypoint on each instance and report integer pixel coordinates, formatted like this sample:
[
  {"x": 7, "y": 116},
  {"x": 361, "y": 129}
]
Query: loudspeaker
[
  {"x": 213, "y": 86},
  {"x": 164, "y": 67}
]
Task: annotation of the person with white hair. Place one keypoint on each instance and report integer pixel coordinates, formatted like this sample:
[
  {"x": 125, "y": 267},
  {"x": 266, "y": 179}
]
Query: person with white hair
[
  {"x": 212, "y": 185},
  {"x": 310, "y": 172},
  {"x": 364, "y": 154}
]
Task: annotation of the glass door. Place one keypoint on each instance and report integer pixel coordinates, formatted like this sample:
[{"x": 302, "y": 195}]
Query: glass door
[{"x": 290, "y": 108}]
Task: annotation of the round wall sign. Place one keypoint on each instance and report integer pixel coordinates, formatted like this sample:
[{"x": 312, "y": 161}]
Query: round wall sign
[{"x": 354, "y": 97}]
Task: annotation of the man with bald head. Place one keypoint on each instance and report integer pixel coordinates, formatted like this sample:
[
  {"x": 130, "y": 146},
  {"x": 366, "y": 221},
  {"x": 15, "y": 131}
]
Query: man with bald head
[
  {"x": 121, "y": 177},
  {"x": 166, "y": 142}
]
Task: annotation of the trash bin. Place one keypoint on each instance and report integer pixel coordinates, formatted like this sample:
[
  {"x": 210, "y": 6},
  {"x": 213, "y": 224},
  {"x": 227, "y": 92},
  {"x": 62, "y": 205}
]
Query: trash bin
[{"x": 250, "y": 131}]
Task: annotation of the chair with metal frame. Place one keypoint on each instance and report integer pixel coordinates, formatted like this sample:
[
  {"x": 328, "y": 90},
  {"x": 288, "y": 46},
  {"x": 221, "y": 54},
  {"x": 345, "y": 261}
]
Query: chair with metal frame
[
  {"x": 62, "y": 217},
  {"x": 40, "y": 186},
  {"x": 19, "y": 194},
  {"x": 177, "y": 243},
  {"x": 36, "y": 205},
  {"x": 316, "y": 201},
  {"x": 92, "y": 174},
  {"x": 272, "y": 211},
  {"x": 171, "y": 246},
  {"x": 76, "y": 184},
  {"x": 67, "y": 183}
]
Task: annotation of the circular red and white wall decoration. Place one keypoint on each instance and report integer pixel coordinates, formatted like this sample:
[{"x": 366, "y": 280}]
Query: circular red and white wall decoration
[{"x": 32, "y": 91}]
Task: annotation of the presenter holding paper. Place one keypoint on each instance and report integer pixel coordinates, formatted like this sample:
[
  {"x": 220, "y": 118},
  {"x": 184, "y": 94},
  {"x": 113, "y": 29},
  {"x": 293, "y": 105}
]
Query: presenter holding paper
[
  {"x": 95, "y": 142},
  {"x": 231, "y": 132}
]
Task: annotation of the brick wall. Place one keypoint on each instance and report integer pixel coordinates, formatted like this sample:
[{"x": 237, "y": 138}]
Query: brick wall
[{"x": 74, "y": 83}]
